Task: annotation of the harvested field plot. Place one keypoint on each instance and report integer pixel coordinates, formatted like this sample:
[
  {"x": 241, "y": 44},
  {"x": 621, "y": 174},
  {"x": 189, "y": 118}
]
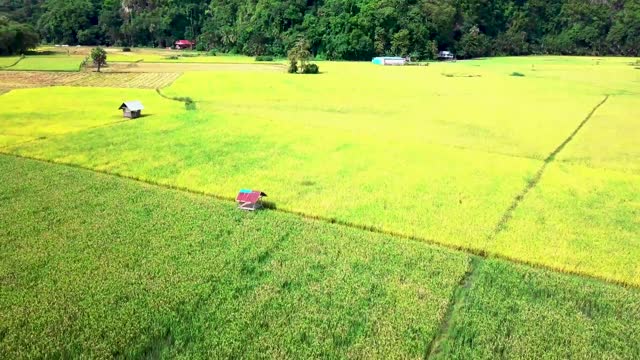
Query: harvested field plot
[
  {"x": 29, "y": 79},
  {"x": 193, "y": 67},
  {"x": 118, "y": 80},
  {"x": 177, "y": 57},
  {"x": 194, "y": 277}
]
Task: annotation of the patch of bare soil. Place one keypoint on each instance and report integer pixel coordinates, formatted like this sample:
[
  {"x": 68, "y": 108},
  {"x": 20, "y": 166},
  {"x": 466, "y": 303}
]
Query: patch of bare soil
[
  {"x": 184, "y": 67},
  {"x": 31, "y": 79}
]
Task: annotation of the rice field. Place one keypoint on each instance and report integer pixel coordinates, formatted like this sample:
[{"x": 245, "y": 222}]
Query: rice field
[
  {"x": 160, "y": 273},
  {"x": 428, "y": 194},
  {"x": 389, "y": 164},
  {"x": 63, "y": 110},
  {"x": 48, "y": 63},
  {"x": 515, "y": 312},
  {"x": 189, "y": 276}
]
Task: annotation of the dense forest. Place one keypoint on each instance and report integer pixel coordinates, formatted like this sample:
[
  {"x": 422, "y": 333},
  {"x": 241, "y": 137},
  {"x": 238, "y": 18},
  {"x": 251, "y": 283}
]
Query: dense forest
[{"x": 342, "y": 29}]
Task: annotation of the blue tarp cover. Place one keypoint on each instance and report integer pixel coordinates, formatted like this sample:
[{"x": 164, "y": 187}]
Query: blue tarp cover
[{"x": 380, "y": 60}]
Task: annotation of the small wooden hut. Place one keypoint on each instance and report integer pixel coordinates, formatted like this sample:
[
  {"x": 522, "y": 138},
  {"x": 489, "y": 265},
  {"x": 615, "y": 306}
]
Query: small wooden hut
[
  {"x": 445, "y": 55},
  {"x": 250, "y": 199},
  {"x": 131, "y": 109}
]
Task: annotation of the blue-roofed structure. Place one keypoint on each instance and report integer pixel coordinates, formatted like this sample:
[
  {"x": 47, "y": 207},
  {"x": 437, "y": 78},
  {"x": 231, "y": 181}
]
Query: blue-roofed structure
[{"x": 389, "y": 60}]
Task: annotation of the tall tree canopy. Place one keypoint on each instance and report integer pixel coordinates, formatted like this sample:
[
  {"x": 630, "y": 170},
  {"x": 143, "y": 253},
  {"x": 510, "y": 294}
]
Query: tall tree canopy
[
  {"x": 16, "y": 38},
  {"x": 344, "y": 29}
]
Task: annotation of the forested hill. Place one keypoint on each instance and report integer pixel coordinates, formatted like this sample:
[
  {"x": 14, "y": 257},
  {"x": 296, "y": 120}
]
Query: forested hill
[{"x": 343, "y": 29}]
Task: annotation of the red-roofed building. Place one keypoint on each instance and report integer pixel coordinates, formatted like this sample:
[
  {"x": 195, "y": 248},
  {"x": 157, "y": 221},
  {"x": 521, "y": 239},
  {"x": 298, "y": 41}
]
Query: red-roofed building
[
  {"x": 249, "y": 199},
  {"x": 184, "y": 44}
]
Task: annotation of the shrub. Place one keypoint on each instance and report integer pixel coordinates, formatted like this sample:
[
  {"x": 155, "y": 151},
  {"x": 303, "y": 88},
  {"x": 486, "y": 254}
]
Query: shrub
[
  {"x": 201, "y": 47},
  {"x": 293, "y": 67},
  {"x": 212, "y": 53},
  {"x": 515, "y": 73},
  {"x": 310, "y": 69},
  {"x": 126, "y": 49},
  {"x": 264, "y": 58}
]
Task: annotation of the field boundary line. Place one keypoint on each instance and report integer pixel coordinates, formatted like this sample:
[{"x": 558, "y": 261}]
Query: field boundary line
[
  {"x": 189, "y": 103},
  {"x": 533, "y": 182},
  {"x": 457, "y": 300},
  {"x": 369, "y": 228},
  {"x": 14, "y": 64}
]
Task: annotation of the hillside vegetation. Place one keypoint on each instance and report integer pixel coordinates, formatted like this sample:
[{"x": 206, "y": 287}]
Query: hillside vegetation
[{"x": 344, "y": 29}]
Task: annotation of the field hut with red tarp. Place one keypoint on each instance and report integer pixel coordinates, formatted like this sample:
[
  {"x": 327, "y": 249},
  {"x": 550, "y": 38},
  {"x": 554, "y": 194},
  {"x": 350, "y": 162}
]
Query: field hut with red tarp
[
  {"x": 184, "y": 44},
  {"x": 250, "y": 199}
]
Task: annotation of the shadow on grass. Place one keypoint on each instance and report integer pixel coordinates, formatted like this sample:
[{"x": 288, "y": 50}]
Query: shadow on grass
[
  {"x": 43, "y": 52},
  {"x": 269, "y": 205}
]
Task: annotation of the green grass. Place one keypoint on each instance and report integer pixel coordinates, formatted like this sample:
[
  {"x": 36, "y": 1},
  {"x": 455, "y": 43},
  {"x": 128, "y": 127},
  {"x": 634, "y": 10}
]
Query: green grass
[
  {"x": 6, "y": 61},
  {"x": 515, "y": 312},
  {"x": 96, "y": 266},
  {"x": 49, "y": 63}
]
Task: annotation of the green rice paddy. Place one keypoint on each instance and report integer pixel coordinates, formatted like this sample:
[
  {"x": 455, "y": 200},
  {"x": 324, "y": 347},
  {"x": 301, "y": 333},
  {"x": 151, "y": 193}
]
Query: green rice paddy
[
  {"x": 48, "y": 63},
  {"x": 467, "y": 161}
]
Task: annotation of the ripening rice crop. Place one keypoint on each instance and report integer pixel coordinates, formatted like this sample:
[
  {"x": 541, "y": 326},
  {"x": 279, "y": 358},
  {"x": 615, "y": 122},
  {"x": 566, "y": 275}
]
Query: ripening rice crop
[
  {"x": 398, "y": 149},
  {"x": 63, "y": 110},
  {"x": 163, "y": 273},
  {"x": 516, "y": 312}
]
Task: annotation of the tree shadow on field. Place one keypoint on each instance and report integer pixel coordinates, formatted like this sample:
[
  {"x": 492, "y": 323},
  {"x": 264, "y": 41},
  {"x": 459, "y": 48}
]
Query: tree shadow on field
[{"x": 43, "y": 52}]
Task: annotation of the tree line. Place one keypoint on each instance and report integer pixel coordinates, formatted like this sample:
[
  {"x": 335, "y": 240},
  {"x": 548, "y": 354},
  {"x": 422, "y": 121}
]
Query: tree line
[{"x": 343, "y": 29}]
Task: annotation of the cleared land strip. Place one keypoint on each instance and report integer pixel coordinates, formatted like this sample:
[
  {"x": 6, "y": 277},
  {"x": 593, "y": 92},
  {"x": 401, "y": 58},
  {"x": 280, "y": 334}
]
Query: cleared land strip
[
  {"x": 508, "y": 214},
  {"x": 31, "y": 79}
]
